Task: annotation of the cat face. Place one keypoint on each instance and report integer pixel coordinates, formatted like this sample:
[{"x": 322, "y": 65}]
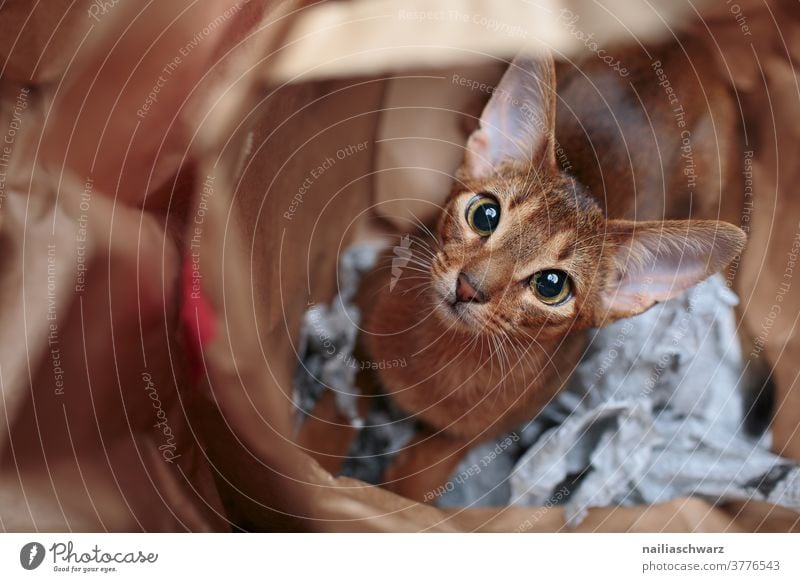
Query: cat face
[
  {"x": 518, "y": 255},
  {"x": 523, "y": 250}
]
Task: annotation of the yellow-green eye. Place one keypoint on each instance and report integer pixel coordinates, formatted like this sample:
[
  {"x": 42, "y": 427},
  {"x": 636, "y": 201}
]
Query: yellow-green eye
[
  {"x": 551, "y": 287},
  {"x": 483, "y": 214}
]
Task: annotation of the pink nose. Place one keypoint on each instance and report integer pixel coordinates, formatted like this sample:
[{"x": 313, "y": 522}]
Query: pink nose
[{"x": 466, "y": 290}]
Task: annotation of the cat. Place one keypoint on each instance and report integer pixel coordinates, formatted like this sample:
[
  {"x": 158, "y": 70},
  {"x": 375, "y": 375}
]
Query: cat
[{"x": 491, "y": 310}]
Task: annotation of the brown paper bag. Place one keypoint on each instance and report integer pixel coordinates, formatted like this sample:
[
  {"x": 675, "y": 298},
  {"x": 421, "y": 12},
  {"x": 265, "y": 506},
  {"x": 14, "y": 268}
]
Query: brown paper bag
[{"x": 165, "y": 240}]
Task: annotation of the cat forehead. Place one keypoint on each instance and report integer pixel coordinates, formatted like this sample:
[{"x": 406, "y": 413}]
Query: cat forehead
[
  {"x": 551, "y": 210},
  {"x": 521, "y": 185},
  {"x": 555, "y": 228},
  {"x": 530, "y": 240},
  {"x": 534, "y": 228}
]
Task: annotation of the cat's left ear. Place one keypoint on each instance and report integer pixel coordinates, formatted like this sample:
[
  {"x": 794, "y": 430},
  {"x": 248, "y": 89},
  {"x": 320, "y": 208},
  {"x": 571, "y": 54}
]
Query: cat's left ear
[
  {"x": 655, "y": 261},
  {"x": 518, "y": 123}
]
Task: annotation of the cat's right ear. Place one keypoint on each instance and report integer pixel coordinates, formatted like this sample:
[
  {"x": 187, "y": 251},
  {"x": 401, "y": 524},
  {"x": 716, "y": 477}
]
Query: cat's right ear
[
  {"x": 518, "y": 123},
  {"x": 655, "y": 261}
]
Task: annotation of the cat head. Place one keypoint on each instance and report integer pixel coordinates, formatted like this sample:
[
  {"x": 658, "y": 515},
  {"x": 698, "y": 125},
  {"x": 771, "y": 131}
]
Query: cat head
[{"x": 525, "y": 250}]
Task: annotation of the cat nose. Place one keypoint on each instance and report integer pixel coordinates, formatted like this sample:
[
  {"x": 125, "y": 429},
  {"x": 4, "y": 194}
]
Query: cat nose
[{"x": 467, "y": 291}]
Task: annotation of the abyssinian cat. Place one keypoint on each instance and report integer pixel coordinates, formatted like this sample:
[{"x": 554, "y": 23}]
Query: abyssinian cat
[{"x": 491, "y": 309}]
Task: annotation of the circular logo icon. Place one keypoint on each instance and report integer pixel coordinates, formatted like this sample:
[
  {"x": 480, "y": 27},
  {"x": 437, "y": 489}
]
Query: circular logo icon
[{"x": 31, "y": 555}]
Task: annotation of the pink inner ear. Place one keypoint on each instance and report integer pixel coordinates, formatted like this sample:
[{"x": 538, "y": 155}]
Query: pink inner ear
[
  {"x": 657, "y": 261},
  {"x": 517, "y": 124},
  {"x": 642, "y": 287},
  {"x": 476, "y": 159}
]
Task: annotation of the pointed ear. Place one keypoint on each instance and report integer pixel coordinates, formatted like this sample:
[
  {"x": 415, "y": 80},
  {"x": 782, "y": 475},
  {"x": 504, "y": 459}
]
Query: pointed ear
[
  {"x": 518, "y": 123},
  {"x": 656, "y": 261}
]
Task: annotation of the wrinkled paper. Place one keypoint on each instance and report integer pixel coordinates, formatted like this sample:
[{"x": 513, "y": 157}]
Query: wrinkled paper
[{"x": 654, "y": 411}]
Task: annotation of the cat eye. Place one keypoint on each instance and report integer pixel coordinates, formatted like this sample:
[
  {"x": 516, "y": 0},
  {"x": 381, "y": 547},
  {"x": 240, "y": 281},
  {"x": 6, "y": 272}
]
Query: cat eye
[
  {"x": 483, "y": 214},
  {"x": 551, "y": 287}
]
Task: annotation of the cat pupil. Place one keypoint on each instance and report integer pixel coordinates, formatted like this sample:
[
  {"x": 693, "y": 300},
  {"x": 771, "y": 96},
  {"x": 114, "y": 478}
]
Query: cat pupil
[
  {"x": 486, "y": 218},
  {"x": 489, "y": 219},
  {"x": 550, "y": 283}
]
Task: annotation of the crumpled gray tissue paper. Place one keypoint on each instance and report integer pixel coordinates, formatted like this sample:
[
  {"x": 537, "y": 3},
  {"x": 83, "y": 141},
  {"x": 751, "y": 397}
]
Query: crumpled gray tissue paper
[{"x": 654, "y": 411}]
